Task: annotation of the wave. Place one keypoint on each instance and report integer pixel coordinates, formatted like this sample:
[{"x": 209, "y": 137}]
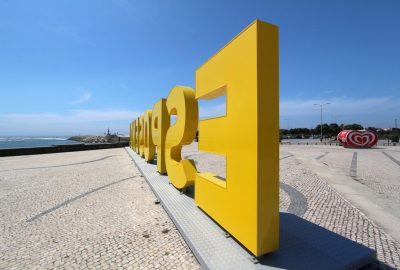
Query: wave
[{"x": 53, "y": 139}]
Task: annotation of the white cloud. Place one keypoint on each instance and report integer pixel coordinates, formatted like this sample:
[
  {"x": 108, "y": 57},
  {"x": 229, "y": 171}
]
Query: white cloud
[
  {"x": 338, "y": 106},
  {"x": 105, "y": 115},
  {"x": 212, "y": 111},
  {"x": 71, "y": 122},
  {"x": 296, "y": 113},
  {"x": 374, "y": 111},
  {"x": 73, "y": 116},
  {"x": 342, "y": 106},
  {"x": 85, "y": 97}
]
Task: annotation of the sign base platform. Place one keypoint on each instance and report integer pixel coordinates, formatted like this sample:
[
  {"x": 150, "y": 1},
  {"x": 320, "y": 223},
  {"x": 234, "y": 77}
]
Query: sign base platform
[{"x": 303, "y": 245}]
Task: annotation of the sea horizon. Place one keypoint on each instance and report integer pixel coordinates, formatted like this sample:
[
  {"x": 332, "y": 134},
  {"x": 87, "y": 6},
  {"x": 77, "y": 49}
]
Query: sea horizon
[{"x": 21, "y": 141}]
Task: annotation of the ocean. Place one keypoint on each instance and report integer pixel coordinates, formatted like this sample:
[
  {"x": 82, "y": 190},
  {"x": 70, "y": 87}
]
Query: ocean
[{"x": 33, "y": 141}]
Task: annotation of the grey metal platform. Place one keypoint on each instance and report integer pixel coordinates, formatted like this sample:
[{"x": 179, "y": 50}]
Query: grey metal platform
[{"x": 303, "y": 245}]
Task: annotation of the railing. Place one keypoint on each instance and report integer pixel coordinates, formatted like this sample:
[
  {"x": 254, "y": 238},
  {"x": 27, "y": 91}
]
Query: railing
[
  {"x": 331, "y": 143},
  {"x": 390, "y": 144}
]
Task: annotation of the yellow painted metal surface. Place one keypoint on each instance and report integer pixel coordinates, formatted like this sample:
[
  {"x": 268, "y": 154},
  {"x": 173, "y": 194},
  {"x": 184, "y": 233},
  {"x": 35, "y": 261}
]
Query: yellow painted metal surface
[
  {"x": 130, "y": 135},
  {"x": 141, "y": 135},
  {"x": 136, "y": 135},
  {"x": 149, "y": 147},
  {"x": 133, "y": 135},
  {"x": 134, "y": 140},
  {"x": 182, "y": 103},
  {"x": 247, "y": 203},
  {"x": 160, "y": 124}
]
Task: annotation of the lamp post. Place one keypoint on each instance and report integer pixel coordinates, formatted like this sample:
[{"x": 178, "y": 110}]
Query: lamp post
[{"x": 321, "y": 105}]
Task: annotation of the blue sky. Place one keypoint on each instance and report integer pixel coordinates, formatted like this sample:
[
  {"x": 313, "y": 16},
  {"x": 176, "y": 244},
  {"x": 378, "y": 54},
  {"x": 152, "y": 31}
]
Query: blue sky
[{"x": 78, "y": 67}]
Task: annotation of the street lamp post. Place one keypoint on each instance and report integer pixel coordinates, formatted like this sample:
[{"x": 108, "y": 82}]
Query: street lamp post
[{"x": 321, "y": 105}]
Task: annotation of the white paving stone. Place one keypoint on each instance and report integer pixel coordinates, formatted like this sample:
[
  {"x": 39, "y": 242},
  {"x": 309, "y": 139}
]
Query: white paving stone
[
  {"x": 100, "y": 214},
  {"x": 93, "y": 209}
]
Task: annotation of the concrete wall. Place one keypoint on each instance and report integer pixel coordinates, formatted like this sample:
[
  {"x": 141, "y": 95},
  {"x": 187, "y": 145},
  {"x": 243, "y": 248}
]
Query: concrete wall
[{"x": 58, "y": 149}]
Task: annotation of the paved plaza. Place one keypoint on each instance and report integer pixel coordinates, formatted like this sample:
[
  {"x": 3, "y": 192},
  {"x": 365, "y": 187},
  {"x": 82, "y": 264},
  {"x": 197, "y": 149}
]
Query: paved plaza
[
  {"x": 93, "y": 209},
  {"x": 368, "y": 178},
  {"x": 307, "y": 190},
  {"x": 335, "y": 205},
  {"x": 89, "y": 209}
]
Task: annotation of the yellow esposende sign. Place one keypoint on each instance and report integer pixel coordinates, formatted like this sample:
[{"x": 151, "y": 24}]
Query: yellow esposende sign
[{"x": 246, "y": 204}]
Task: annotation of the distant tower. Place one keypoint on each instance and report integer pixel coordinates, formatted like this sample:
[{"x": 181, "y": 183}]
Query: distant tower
[
  {"x": 108, "y": 131},
  {"x": 395, "y": 123}
]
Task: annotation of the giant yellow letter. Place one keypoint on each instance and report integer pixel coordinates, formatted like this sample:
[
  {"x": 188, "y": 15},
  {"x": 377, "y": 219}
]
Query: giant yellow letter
[
  {"x": 149, "y": 148},
  {"x": 130, "y": 135},
  {"x": 247, "y": 203},
  {"x": 133, "y": 135},
  {"x": 161, "y": 123},
  {"x": 182, "y": 103},
  {"x": 137, "y": 135},
  {"x": 141, "y": 135}
]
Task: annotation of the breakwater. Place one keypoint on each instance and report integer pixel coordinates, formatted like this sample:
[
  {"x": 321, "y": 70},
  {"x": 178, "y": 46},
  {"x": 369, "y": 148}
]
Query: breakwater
[{"x": 58, "y": 149}]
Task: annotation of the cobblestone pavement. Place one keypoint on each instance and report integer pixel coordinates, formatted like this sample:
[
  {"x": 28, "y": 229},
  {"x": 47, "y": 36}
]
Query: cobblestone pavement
[
  {"x": 328, "y": 209},
  {"x": 89, "y": 209},
  {"x": 372, "y": 173},
  {"x": 305, "y": 194},
  {"x": 93, "y": 209},
  {"x": 374, "y": 169}
]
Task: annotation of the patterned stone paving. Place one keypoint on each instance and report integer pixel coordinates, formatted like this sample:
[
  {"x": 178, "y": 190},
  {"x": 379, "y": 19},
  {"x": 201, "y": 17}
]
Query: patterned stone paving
[
  {"x": 305, "y": 194},
  {"x": 329, "y": 210},
  {"x": 93, "y": 210},
  {"x": 84, "y": 210}
]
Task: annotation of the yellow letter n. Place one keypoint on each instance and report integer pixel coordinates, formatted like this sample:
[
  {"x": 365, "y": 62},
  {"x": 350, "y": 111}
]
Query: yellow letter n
[
  {"x": 160, "y": 124},
  {"x": 149, "y": 148},
  {"x": 136, "y": 136},
  {"x": 246, "y": 204}
]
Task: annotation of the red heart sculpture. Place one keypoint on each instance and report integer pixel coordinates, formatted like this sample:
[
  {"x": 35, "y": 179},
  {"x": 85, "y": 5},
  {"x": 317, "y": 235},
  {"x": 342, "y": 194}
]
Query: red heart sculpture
[{"x": 357, "y": 138}]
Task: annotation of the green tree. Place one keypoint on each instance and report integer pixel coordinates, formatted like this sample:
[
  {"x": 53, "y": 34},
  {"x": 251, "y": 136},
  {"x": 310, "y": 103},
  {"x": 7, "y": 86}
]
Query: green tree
[
  {"x": 325, "y": 131},
  {"x": 394, "y": 138},
  {"x": 334, "y": 130},
  {"x": 353, "y": 127}
]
